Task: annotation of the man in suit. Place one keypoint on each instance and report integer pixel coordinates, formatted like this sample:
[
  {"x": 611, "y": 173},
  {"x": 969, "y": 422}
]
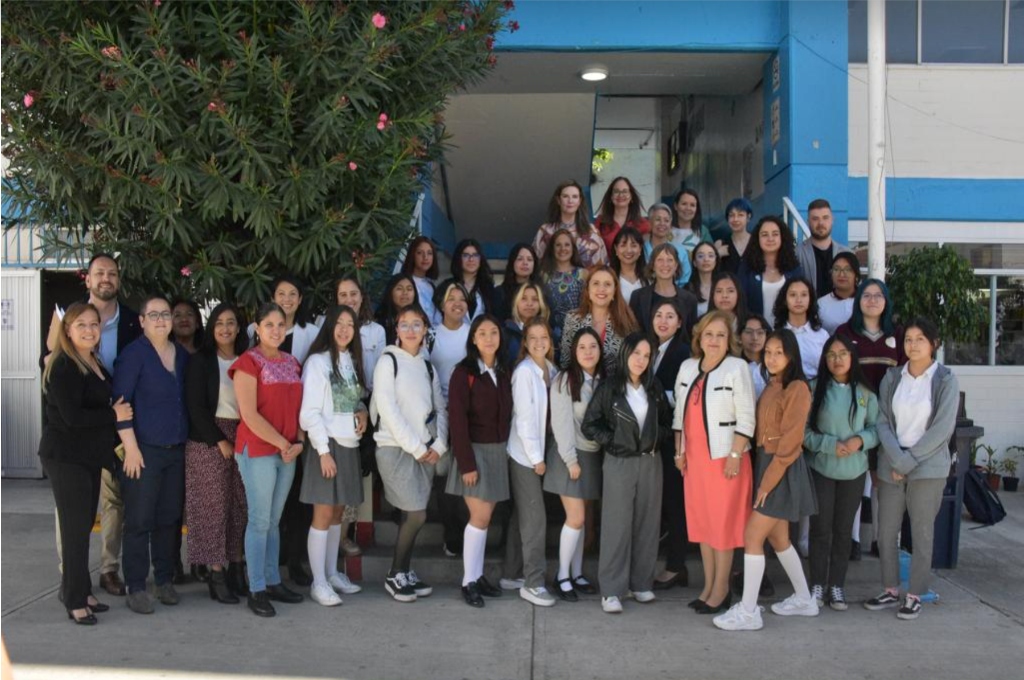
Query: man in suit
[
  {"x": 816, "y": 253},
  {"x": 120, "y": 326}
]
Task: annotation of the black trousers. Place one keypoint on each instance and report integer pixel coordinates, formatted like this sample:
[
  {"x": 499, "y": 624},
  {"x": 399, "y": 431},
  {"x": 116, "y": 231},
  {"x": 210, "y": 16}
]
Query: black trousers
[
  {"x": 295, "y": 522},
  {"x": 76, "y": 491},
  {"x": 673, "y": 512},
  {"x": 832, "y": 528}
]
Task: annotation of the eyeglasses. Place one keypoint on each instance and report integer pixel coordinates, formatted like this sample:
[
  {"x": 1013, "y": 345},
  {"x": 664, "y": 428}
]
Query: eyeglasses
[
  {"x": 471, "y": 256},
  {"x": 414, "y": 327},
  {"x": 620, "y": 192},
  {"x": 159, "y": 316},
  {"x": 837, "y": 356},
  {"x": 756, "y": 332},
  {"x": 874, "y": 297},
  {"x": 841, "y": 270}
]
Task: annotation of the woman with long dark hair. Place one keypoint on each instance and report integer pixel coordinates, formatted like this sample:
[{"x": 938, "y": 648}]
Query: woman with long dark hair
[
  {"x": 727, "y": 295},
  {"x": 628, "y": 261},
  {"x": 836, "y": 308},
  {"x": 399, "y": 293},
  {"x": 797, "y": 309},
  {"x": 187, "y": 326},
  {"x": 705, "y": 266},
  {"x": 470, "y": 268},
  {"x": 628, "y": 417},
  {"x": 522, "y": 267},
  {"x": 214, "y": 493},
  {"x": 768, "y": 262},
  {"x": 564, "y": 280},
  {"x": 621, "y": 207},
  {"x": 287, "y": 292},
  {"x": 567, "y": 211},
  {"x": 690, "y": 219},
  {"x": 603, "y": 309},
  {"x": 421, "y": 264},
  {"x": 840, "y": 430},
  {"x": 77, "y": 443}
]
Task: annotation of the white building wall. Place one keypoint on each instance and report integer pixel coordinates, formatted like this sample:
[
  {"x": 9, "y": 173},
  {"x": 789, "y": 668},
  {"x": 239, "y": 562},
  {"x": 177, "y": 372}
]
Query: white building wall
[
  {"x": 629, "y": 128},
  {"x": 994, "y": 403},
  {"x": 949, "y": 120}
]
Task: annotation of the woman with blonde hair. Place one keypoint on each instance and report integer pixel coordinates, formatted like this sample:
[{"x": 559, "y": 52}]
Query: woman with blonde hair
[{"x": 527, "y": 303}]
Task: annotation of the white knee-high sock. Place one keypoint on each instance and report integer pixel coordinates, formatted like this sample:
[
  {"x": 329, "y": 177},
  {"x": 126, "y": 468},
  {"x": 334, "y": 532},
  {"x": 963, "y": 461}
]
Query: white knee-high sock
[
  {"x": 790, "y": 561},
  {"x": 753, "y": 571},
  {"x": 567, "y": 550},
  {"x": 577, "y": 556},
  {"x": 474, "y": 544},
  {"x": 333, "y": 545},
  {"x": 316, "y": 543}
]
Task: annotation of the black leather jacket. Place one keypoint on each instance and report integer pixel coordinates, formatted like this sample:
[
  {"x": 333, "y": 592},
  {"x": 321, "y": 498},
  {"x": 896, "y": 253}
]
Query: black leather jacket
[{"x": 610, "y": 422}]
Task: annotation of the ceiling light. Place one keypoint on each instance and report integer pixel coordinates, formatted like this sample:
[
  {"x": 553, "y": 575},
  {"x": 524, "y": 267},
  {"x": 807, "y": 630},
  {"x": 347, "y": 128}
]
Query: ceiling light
[{"x": 594, "y": 74}]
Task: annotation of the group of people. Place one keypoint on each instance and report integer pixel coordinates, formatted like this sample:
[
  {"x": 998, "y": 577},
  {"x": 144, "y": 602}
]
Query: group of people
[{"x": 721, "y": 390}]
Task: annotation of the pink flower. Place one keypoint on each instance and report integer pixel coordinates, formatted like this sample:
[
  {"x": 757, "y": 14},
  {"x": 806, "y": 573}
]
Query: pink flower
[
  {"x": 513, "y": 26},
  {"x": 462, "y": 27},
  {"x": 381, "y": 125},
  {"x": 156, "y": 3},
  {"x": 29, "y": 100},
  {"x": 383, "y": 117},
  {"x": 379, "y": 20},
  {"x": 352, "y": 166},
  {"x": 111, "y": 52},
  {"x": 185, "y": 271},
  {"x": 212, "y": 106}
]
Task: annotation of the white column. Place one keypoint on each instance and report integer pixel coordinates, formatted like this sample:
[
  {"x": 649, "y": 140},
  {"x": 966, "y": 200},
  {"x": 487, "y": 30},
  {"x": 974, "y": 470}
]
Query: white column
[{"x": 876, "y": 139}]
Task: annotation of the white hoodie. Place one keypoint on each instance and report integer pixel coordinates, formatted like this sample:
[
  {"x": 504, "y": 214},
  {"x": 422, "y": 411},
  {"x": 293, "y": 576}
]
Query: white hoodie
[{"x": 404, "y": 400}]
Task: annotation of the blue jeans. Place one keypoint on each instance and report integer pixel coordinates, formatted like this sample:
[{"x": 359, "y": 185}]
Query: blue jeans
[
  {"x": 152, "y": 512},
  {"x": 267, "y": 480}
]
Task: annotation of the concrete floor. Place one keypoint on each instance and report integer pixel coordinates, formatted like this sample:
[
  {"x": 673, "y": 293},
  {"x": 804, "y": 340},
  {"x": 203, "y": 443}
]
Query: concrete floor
[{"x": 976, "y": 630}]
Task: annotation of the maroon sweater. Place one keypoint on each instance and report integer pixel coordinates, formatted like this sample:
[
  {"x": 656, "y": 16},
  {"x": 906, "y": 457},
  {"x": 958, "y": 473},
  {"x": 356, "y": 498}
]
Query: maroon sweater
[
  {"x": 478, "y": 411},
  {"x": 876, "y": 356}
]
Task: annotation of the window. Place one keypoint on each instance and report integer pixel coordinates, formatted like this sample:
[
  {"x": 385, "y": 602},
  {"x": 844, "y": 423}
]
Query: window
[
  {"x": 900, "y": 31},
  {"x": 1016, "y": 32},
  {"x": 962, "y": 31},
  {"x": 1008, "y": 326}
]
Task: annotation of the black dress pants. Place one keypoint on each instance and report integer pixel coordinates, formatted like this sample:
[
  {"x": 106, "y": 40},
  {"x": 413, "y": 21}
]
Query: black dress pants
[{"x": 76, "y": 491}]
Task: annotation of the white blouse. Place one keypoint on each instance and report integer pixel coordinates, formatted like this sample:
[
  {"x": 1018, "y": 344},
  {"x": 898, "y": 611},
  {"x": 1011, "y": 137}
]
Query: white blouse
[{"x": 912, "y": 405}]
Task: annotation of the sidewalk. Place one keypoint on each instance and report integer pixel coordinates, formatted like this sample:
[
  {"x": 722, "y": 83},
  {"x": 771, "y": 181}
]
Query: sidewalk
[{"x": 976, "y": 630}]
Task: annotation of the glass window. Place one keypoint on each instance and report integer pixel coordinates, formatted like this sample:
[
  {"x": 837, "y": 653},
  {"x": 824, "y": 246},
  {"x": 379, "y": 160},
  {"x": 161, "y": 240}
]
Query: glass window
[
  {"x": 1009, "y": 326},
  {"x": 1016, "y": 55},
  {"x": 900, "y": 31},
  {"x": 962, "y": 31}
]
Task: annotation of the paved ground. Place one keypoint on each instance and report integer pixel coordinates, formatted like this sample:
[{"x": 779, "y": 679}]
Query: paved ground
[{"x": 975, "y": 631}]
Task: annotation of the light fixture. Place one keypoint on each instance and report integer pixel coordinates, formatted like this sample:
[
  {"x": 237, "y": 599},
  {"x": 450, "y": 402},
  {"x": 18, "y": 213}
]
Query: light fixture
[{"x": 594, "y": 74}]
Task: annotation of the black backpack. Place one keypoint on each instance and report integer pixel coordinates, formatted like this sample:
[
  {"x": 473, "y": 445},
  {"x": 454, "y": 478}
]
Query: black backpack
[
  {"x": 981, "y": 501},
  {"x": 394, "y": 364}
]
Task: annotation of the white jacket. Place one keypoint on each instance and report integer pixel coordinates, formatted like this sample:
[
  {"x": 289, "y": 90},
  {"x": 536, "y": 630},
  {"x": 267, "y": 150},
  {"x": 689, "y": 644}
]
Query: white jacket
[
  {"x": 729, "y": 405},
  {"x": 529, "y": 413},
  {"x": 318, "y": 415},
  {"x": 405, "y": 400},
  {"x": 374, "y": 340}
]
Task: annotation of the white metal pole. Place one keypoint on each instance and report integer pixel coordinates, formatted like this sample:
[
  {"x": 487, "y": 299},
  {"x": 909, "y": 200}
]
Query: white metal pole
[{"x": 876, "y": 139}]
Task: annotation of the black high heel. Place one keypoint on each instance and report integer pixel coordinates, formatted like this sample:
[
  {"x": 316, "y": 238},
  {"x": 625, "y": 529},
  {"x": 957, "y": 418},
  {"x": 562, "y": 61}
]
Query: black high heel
[
  {"x": 98, "y": 608},
  {"x": 219, "y": 590},
  {"x": 708, "y": 609},
  {"x": 696, "y": 603},
  {"x": 87, "y": 620}
]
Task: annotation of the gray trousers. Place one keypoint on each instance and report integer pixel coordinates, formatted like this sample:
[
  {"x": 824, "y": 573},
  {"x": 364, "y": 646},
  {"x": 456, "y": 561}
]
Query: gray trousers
[
  {"x": 528, "y": 526},
  {"x": 921, "y": 499},
  {"x": 111, "y": 525},
  {"x": 630, "y": 521}
]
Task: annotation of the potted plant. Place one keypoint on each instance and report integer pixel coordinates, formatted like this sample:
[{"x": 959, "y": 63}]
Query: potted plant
[
  {"x": 1009, "y": 467},
  {"x": 991, "y": 467}
]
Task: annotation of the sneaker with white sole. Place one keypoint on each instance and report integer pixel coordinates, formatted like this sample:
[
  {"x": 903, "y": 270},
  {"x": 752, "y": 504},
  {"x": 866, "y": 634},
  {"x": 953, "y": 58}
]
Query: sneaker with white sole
[
  {"x": 511, "y": 583},
  {"x": 643, "y": 596},
  {"x": 398, "y": 587},
  {"x": 837, "y": 599},
  {"x": 611, "y": 605},
  {"x": 883, "y": 601},
  {"x": 795, "y": 605},
  {"x": 538, "y": 596},
  {"x": 738, "y": 618},
  {"x": 321, "y": 593},
  {"x": 818, "y": 595},
  {"x": 419, "y": 586},
  {"x": 341, "y": 584},
  {"x": 910, "y": 609}
]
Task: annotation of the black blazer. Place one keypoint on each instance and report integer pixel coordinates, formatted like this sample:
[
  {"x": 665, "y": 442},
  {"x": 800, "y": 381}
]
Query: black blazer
[
  {"x": 202, "y": 391},
  {"x": 751, "y": 283},
  {"x": 643, "y": 300},
  {"x": 79, "y": 419},
  {"x": 676, "y": 353}
]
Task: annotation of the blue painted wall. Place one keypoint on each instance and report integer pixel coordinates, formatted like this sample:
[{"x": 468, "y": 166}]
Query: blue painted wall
[{"x": 944, "y": 200}]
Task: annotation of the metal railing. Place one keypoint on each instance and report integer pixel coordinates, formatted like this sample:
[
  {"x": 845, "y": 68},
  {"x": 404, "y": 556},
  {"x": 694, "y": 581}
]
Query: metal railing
[
  {"x": 794, "y": 220},
  {"x": 22, "y": 248}
]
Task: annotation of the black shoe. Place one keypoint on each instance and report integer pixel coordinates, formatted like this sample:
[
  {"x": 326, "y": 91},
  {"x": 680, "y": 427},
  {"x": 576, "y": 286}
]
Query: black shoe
[
  {"x": 281, "y": 593},
  {"x": 696, "y": 603},
  {"x": 87, "y": 620},
  {"x": 486, "y": 588},
  {"x": 679, "y": 579},
  {"x": 180, "y": 577},
  {"x": 98, "y": 608},
  {"x": 874, "y": 548},
  {"x": 200, "y": 573},
  {"x": 708, "y": 609},
  {"x": 567, "y": 595},
  {"x": 767, "y": 588},
  {"x": 298, "y": 574},
  {"x": 471, "y": 594},
  {"x": 855, "y": 551},
  {"x": 236, "y": 579},
  {"x": 583, "y": 586},
  {"x": 219, "y": 590},
  {"x": 260, "y": 605}
]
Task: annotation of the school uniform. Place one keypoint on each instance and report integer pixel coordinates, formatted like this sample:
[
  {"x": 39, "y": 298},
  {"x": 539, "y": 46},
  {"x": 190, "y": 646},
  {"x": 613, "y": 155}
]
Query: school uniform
[
  {"x": 780, "y": 469},
  {"x": 479, "y": 420},
  {"x": 569, "y": 445}
]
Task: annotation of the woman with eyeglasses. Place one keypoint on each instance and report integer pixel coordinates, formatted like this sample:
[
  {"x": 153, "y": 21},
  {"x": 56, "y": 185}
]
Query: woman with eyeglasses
[
  {"x": 705, "y": 266},
  {"x": 836, "y": 308},
  {"x": 663, "y": 271},
  {"x": 753, "y": 333},
  {"x": 421, "y": 264},
  {"x": 730, "y": 251},
  {"x": 411, "y": 436},
  {"x": 567, "y": 211},
  {"x": 149, "y": 374},
  {"x": 621, "y": 207},
  {"x": 840, "y": 430},
  {"x": 471, "y": 269},
  {"x": 662, "y": 231},
  {"x": 768, "y": 262}
]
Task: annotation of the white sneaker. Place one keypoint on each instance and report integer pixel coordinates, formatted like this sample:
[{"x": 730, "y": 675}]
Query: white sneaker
[
  {"x": 611, "y": 605},
  {"x": 643, "y": 596},
  {"x": 538, "y": 596},
  {"x": 796, "y": 606},
  {"x": 738, "y": 618},
  {"x": 341, "y": 584},
  {"x": 511, "y": 583},
  {"x": 818, "y": 595},
  {"x": 322, "y": 593}
]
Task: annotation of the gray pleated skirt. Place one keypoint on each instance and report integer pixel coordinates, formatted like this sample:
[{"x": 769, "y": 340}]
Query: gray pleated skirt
[
  {"x": 492, "y": 480},
  {"x": 406, "y": 481},
  {"x": 556, "y": 479},
  {"x": 346, "y": 488},
  {"x": 794, "y": 497}
]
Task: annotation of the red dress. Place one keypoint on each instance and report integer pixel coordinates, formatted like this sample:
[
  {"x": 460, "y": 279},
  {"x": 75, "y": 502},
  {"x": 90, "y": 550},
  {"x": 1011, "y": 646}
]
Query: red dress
[{"x": 717, "y": 508}]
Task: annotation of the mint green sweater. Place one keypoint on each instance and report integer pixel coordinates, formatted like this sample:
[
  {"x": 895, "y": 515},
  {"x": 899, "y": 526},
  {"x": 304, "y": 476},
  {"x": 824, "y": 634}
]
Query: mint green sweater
[{"x": 834, "y": 420}]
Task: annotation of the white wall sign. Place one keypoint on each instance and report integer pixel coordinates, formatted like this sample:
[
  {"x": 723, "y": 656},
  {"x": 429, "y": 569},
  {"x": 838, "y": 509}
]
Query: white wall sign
[{"x": 7, "y": 315}]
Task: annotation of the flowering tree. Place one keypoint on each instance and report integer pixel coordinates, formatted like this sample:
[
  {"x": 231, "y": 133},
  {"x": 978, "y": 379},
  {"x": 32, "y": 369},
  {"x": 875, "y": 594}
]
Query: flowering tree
[{"x": 216, "y": 144}]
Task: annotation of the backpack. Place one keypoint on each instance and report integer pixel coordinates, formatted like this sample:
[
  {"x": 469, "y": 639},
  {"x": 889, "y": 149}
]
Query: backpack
[
  {"x": 394, "y": 365},
  {"x": 981, "y": 501}
]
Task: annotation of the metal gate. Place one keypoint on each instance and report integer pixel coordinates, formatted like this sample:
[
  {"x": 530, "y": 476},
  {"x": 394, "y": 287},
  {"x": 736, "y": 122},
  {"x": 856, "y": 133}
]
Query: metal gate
[{"x": 20, "y": 403}]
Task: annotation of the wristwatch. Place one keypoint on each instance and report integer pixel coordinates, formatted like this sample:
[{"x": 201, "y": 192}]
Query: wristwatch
[{"x": 733, "y": 454}]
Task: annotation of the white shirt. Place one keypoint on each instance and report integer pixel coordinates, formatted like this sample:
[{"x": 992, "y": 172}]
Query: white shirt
[
  {"x": 449, "y": 349},
  {"x": 628, "y": 288},
  {"x": 484, "y": 370},
  {"x": 912, "y": 405},
  {"x": 812, "y": 343},
  {"x": 662, "y": 348},
  {"x": 834, "y": 312},
  {"x": 759, "y": 383},
  {"x": 769, "y": 292},
  {"x": 329, "y": 405},
  {"x": 227, "y": 403},
  {"x": 374, "y": 340},
  {"x": 425, "y": 292},
  {"x": 637, "y": 399}
]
